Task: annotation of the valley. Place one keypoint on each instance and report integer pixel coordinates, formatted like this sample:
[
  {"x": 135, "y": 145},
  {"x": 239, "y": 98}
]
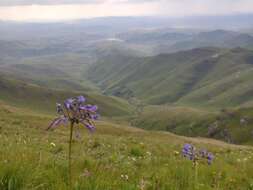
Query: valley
[{"x": 157, "y": 88}]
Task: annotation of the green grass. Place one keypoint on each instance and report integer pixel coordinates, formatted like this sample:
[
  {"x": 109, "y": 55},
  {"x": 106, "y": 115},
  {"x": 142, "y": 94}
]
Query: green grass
[
  {"x": 180, "y": 120},
  {"x": 60, "y": 71},
  {"x": 39, "y": 99},
  {"x": 114, "y": 157},
  {"x": 193, "y": 83},
  {"x": 227, "y": 124},
  {"x": 201, "y": 77}
]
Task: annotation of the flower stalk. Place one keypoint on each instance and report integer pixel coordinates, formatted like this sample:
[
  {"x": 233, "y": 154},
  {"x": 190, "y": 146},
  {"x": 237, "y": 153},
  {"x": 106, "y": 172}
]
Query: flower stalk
[
  {"x": 70, "y": 154},
  {"x": 74, "y": 111}
]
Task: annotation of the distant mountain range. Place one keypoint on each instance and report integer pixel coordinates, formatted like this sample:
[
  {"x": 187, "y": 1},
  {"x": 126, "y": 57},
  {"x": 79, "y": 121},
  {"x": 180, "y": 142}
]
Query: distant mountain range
[
  {"x": 164, "y": 41},
  {"x": 204, "y": 76},
  {"x": 154, "y": 75}
]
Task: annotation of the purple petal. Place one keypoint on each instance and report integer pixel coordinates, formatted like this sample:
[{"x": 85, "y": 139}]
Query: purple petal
[
  {"x": 94, "y": 108},
  {"x": 68, "y": 103},
  {"x": 88, "y": 126},
  {"x": 187, "y": 146},
  {"x": 80, "y": 99},
  {"x": 83, "y": 108},
  {"x": 210, "y": 158},
  {"x": 91, "y": 108},
  {"x": 94, "y": 117},
  {"x": 57, "y": 122}
]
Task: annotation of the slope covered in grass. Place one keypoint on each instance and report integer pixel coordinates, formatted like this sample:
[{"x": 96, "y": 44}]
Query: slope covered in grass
[
  {"x": 173, "y": 40},
  {"x": 216, "y": 38},
  {"x": 133, "y": 157},
  {"x": 230, "y": 125},
  {"x": 180, "y": 120},
  {"x": 60, "y": 71},
  {"x": 199, "y": 77},
  {"x": 35, "y": 98}
]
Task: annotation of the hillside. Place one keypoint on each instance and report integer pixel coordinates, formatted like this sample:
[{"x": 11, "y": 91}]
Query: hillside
[
  {"x": 200, "y": 77},
  {"x": 38, "y": 99},
  {"x": 172, "y": 40},
  {"x": 134, "y": 158},
  {"x": 59, "y": 63},
  {"x": 230, "y": 125},
  {"x": 216, "y": 38},
  {"x": 174, "y": 96}
]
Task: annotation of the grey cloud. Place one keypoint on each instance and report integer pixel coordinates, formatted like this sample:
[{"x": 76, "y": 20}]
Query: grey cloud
[
  {"x": 57, "y": 2},
  {"x": 47, "y": 2},
  {"x": 138, "y": 1}
]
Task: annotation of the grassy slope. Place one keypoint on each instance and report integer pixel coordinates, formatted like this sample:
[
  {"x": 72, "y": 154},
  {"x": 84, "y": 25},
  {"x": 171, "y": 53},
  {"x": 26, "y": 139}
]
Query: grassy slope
[
  {"x": 60, "y": 71},
  {"x": 148, "y": 159},
  {"x": 229, "y": 83},
  {"x": 199, "y": 77},
  {"x": 180, "y": 120},
  {"x": 227, "y": 124},
  {"x": 199, "y": 82},
  {"x": 216, "y": 38},
  {"x": 19, "y": 94}
]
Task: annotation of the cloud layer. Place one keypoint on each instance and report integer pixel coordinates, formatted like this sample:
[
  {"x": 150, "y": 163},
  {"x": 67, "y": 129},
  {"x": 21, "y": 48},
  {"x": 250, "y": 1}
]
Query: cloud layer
[
  {"x": 76, "y": 9},
  {"x": 46, "y": 2}
]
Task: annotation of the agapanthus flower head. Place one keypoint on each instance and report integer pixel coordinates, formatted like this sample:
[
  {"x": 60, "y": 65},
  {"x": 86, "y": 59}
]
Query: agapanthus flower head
[
  {"x": 75, "y": 111},
  {"x": 190, "y": 152},
  {"x": 210, "y": 158}
]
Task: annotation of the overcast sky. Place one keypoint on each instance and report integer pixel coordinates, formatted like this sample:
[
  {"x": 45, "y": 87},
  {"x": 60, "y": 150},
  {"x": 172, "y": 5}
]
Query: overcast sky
[{"x": 50, "y": 10}]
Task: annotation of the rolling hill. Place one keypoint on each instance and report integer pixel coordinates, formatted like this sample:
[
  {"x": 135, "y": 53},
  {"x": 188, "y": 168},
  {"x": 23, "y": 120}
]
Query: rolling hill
[
  {"x": 204, "y": 93},
  {"x": 210, "y": 77},
  {"x": 42, "y": 100},
  {"x": 216, "y": 38},
  {"x": 173, "y": 40},
  {"x": 230, "y": 125}
]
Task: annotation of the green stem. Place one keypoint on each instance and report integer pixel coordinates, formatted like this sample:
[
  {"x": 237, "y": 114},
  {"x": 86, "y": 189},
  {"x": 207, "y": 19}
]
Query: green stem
[
  {"x": 196, "y": 176},
  {"x": 70, "y": 147}
]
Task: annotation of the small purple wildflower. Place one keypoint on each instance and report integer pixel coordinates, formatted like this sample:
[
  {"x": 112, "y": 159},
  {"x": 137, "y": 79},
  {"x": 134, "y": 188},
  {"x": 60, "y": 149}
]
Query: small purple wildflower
[
  {"x": 210, "y": 158},
  {"x": 75, "y": 111},
  {"x": 189, "y": 151}
]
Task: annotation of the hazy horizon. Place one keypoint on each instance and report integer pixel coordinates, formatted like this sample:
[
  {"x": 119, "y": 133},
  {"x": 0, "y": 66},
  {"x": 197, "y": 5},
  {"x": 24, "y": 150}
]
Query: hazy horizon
[{"x": 65, "y": 10}]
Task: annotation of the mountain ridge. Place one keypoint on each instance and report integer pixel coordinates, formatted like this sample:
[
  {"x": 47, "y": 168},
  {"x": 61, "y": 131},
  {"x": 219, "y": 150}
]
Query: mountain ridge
[{"x": 172, "y": 78}]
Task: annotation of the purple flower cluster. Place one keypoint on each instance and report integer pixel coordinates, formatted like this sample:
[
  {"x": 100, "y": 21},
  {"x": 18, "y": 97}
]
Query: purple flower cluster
[
  {"x": 206, "y": 155},
  {"x": 190, "y": 152},
  {"x": 75, "y": 111}
]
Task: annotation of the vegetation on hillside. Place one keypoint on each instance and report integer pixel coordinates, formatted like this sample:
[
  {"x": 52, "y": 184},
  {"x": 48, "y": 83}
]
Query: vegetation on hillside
[
  {"x": 39, "y": 99},
  {"x": 135, "y": 159},
  {"x": 204, "y": 77},
  {"x": 230, "y": 125}
]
